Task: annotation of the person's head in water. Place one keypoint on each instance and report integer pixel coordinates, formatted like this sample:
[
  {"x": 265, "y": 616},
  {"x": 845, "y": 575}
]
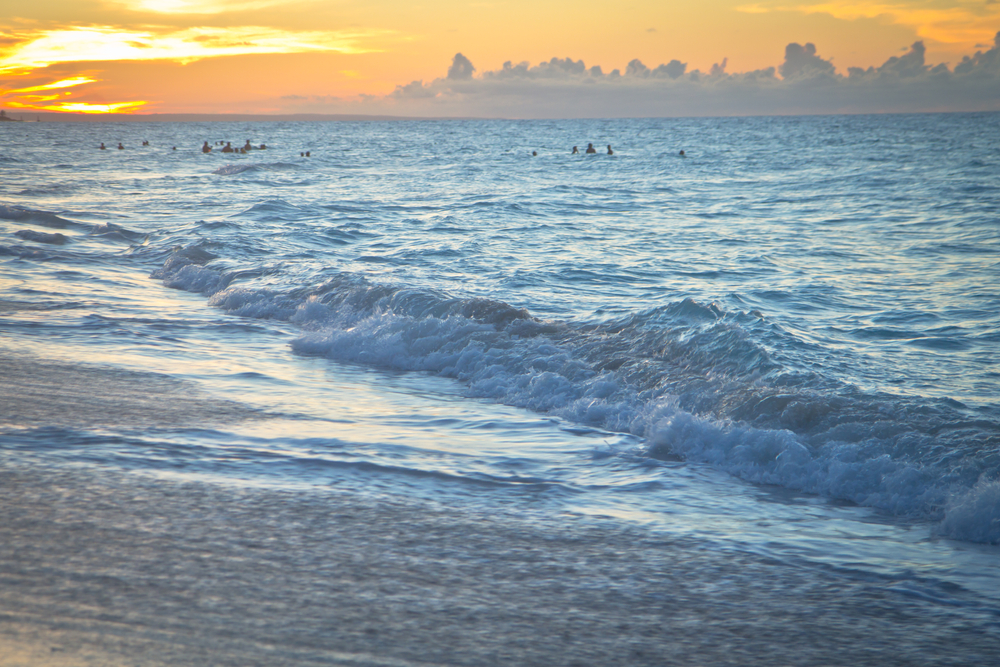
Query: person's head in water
[
  {"x": 591, "y": 149},
  {"x": 533, "y": 153},
  {"x": 610, "y": 152},
  {"x": 120, "y": 147},
  {"x": 575, "y": 151},
  {"x": 682, "y": 153},
  {"x": 102, "y": 146}
]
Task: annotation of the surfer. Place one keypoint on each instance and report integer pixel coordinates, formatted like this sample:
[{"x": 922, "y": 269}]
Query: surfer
[
  {"x": 206, "y": 148},
  {"x": 610, "y": 152},
  {"x": 591, "y": 149}
]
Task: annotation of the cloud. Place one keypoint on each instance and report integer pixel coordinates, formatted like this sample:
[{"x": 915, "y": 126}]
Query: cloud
[
  {"x": 461, "y": 68},
  {"x": 195, "y": 6},
  {"x": 103, "y": 43},
  {"x": 802, "y": 61},
  {"x": 804, "y": 82},
  {"x": 719, "y": 69},
  {"x": 909, "y": 65},
  {"x": 62, "y": 83}
]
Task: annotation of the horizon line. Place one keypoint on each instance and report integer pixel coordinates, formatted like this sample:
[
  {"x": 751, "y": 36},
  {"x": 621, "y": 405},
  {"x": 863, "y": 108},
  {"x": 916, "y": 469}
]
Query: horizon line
[{"x": 69, "y": 117}]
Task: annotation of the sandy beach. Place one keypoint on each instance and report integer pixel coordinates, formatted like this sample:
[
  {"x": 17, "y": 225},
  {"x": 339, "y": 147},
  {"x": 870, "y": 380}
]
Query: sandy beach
[{"x": 104, "y": 568}]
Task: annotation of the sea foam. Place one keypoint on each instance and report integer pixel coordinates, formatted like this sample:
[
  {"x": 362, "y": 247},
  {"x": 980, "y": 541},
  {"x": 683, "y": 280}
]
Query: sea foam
[{"x": 687, "y": 378}]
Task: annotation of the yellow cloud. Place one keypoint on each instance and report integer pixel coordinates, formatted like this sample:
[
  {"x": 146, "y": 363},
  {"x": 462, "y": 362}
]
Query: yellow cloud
[
  {"x": 75, "y": 107},
  {"x": 64, "y": 83},
  {"x": 83, "y": 44},
  {"x": 196, "y": 6},
  {"x": 963, "y": 22}
]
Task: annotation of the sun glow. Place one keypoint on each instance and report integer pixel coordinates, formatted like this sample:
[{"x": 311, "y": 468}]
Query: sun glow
[
  {"x": 64, "y": 83},
  {"x": 197, "y": 6},
  {"x": 81, "y": 107},
  {"x": 964, "y": 22},
  {"x": 26, "y": 54},
  {"x": 89, "y": 44}
]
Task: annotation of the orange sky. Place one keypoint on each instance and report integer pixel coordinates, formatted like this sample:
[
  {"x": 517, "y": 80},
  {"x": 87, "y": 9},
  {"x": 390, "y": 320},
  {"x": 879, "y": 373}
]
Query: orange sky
[{"x": 258, "y": 56}]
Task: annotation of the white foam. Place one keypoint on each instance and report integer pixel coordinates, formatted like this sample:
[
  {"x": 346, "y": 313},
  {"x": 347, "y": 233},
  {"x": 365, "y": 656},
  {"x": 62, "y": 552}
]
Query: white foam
[{"x": 499, "y": 354}]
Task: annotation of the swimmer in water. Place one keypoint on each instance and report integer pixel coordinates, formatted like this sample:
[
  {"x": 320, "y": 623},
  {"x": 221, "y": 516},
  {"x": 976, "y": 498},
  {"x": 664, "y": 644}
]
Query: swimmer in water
[
  {"x": 534, "y": 153},
  {"x": 263, "y": 147},
  {"x": 228, "y": 148},
  {"x": 591, "y": 149},
  {"x": 120, "y": 147},
  {"x": 575, "y": 151},
  {"x": 682, "y": 154},
  {"x": 248, "y": 147},
  {"x": 307, "y": 154},
  {"x": 610, "y": 152},
  {"x": 102, "y": 146},
  {"x": 206, "y": 148}
]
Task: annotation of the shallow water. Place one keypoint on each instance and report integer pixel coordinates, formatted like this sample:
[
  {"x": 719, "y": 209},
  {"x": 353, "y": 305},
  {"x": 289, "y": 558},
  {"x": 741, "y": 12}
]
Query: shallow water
[{"x": 781, "y": 345}]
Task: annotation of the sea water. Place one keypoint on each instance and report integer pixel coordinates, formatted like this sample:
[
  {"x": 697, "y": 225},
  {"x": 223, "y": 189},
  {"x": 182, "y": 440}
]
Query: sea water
[{"x": 782, "y": 344}]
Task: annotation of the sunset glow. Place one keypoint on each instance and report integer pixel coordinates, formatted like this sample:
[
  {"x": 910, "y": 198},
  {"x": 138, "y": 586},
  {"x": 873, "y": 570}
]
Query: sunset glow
[
  {"x": 65, "y": 83},
  {"x": 266, "y": 56},
  {"x": 84, "y": 107},
  {"x": 965, "y": 22},
  {"x": 109, "y": 43}
]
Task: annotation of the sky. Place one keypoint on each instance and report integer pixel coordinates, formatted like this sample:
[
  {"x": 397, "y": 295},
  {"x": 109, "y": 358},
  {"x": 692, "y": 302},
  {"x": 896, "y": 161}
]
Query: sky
[{"x": 499, "y": 58}]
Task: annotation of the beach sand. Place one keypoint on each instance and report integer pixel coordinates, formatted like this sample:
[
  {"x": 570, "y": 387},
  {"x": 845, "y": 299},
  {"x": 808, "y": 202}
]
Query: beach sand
[{"x": 103, "y": 567}]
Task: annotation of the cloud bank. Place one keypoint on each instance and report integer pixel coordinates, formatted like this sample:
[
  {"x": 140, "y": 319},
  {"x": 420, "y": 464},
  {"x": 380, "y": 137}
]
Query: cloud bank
[{"x": 804, "y": 83}]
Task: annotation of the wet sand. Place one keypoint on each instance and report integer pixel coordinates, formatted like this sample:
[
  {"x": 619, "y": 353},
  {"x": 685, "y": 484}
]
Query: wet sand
[{"x": 105, "y": 567}]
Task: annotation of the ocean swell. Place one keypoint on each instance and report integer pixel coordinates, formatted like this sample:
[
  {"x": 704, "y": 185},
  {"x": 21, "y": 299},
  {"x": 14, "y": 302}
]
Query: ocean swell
[{"x": 693, "y": 380}]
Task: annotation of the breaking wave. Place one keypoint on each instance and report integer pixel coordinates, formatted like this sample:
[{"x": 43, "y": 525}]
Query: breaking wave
[{"x": 696, "y": 382}]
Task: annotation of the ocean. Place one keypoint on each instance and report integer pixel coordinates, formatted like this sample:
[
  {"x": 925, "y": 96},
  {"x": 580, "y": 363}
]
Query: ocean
[{"x": 444, "y": 392}]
